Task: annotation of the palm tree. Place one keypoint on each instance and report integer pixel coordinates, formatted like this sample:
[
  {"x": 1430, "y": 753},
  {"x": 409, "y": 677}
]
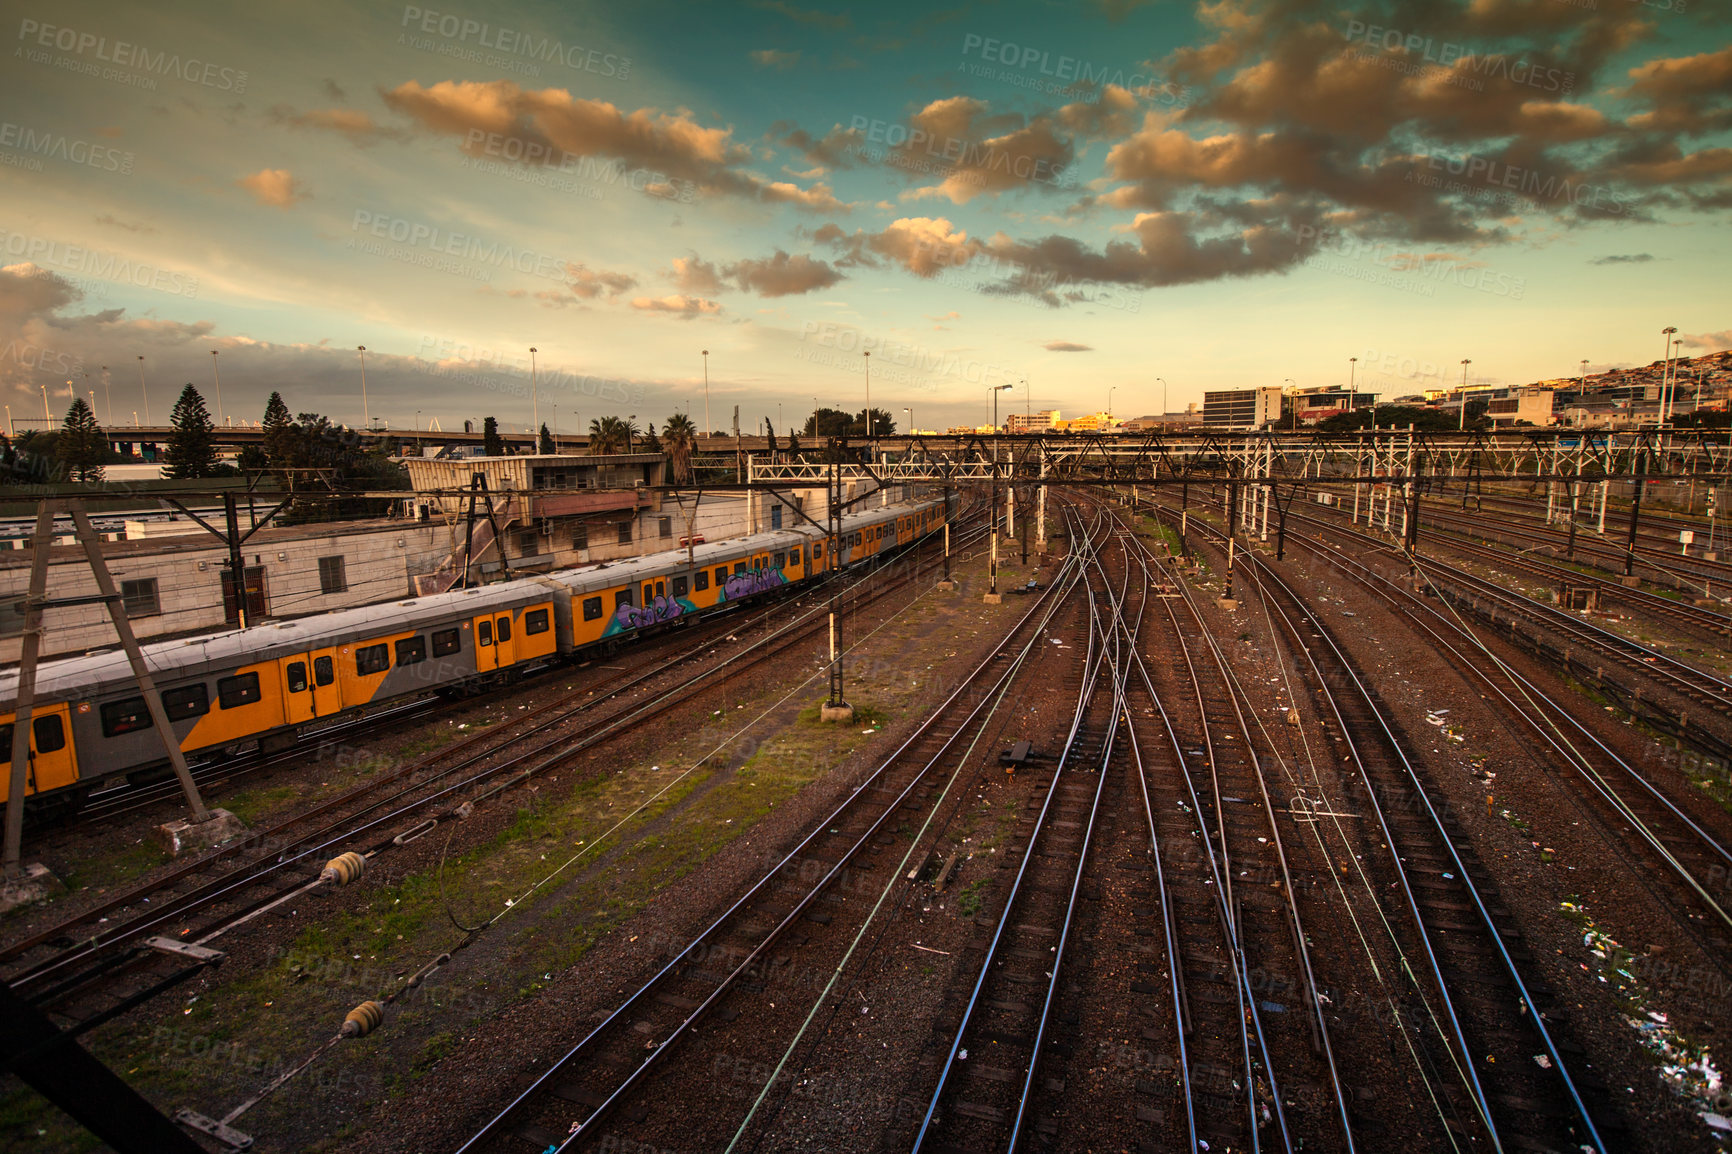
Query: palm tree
[
  {"x": 679, "y": 437},
  {"x": 609, "y": 435}
]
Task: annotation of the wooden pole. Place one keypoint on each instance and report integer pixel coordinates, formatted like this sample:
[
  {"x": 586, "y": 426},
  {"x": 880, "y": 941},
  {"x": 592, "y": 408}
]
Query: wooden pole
[
  {"x": 24, "y": 705},
  {"x": 135, "y": 657}
]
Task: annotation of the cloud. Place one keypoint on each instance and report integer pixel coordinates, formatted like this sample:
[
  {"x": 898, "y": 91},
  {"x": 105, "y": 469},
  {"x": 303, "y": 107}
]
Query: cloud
[
  {"x": 352, "y": 123},
  {"x": 782, "y": 275},
  {"x": 775, "y": 58},
  {"x": 1709, "y": 342},
  {"x": 1624, "y": 258},
  {"x": 1067, "y": 347},
  {"x": 834, "y": 21},
  {"x": 550, "y": 121},
  {"x": 835, "y": 149},
  {"x": 694, "y": 275},
  {"x": 924, "y": 246},
  {"x": 110, "y": 219},
  {"x": 683, "y": 307},
  {"x": 589, "y": 283},
  {"x": 276, "y": 187},
  {"x": 977, "y": 152}
]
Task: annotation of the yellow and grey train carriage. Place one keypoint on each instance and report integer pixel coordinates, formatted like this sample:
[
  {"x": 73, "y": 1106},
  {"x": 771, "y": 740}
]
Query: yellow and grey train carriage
[
  {"x": 270, "y": 683},
  {"x": 274, "y": 682}
]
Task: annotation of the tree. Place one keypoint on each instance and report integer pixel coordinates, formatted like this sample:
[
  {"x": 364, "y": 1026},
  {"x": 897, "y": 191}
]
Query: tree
[
  {"x": 828, "y": 423},
  {"x": 651, "y": 442},
  {"x": 280, "y": 433},
  {"x": 191, "y": 450},
  {"x": 491, "y": 443},
  {"x": 770, "y": 430},
  {"x": 610, "y": 435},
  {"x": 80, "y": 446},
  {"x": 679, "y": 437},
  {"x": 544, "y": 444}
]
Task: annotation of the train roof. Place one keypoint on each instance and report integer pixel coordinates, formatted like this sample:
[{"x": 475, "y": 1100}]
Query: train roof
[{"x": 91, "y": 674}]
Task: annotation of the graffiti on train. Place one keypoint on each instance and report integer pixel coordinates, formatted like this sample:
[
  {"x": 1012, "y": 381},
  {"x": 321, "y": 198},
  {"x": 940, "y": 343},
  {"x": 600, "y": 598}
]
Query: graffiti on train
[
  {"x": 654, "y": 612},
  {"x": 752, "y": 582}
]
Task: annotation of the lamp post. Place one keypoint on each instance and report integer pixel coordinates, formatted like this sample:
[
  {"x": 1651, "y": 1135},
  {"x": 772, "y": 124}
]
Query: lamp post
[
  {"x": 219, "y": 385},
  {"x": 909, "y": 409},
  {"x": 1352, "y": 388},
  {"x": 707, "y": 425},
  {"x": 1164, "y": 410},
  {"x": 1666, "y": 373},
  {"x": 1461, "y": 424},
  {"x": 142, "y": 392},
  {"x": 1583, "y": 379},
  {"x": 107, "y": 395},
  {"x": 1109, "y": 419},
  {"x": 46, "y": 415},
  {"x": 868, "y": 362},
  {"x": 992, "y": 592},
  {"x": 1675, "y": 368},
  {"x": 366, "y": 414},
  {"x": 1295, "y": 384},
  {"x": 534, "y": 397}
]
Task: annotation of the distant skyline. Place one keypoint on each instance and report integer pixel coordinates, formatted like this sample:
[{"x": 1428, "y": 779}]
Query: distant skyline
[{"x": 1083, "y": 198}]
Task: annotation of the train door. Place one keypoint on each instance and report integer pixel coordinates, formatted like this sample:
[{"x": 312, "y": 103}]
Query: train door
[
  {"x": 486, "y": 653},
  {"x": 504, "y": 648},
  {"x": 51, "y": 758},
  {"x": 297, "y": 676},
  {"x": 327, "y": 694}
]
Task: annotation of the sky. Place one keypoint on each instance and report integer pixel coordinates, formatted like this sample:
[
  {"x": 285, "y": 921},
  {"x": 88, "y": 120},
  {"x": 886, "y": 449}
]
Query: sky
[{"x": 1098, "y": 203}]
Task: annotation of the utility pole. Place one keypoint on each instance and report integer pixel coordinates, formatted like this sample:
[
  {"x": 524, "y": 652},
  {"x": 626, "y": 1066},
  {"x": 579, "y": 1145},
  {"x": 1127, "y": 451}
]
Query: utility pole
[
  {"x": 142, "y": 391},
  {"x": 366, "y": 413},
  {"x": 1461, "y": 426},
  {"x": 534, "y": 398},
  {"x": 1635, "y": 512},
  {"x": 708, "y": 428},
  {"x": 219, "y": 386}
]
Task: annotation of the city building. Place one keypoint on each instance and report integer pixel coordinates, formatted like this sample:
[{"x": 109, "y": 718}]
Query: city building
[
  {"x": 1038, "y": 422},
  {"x": 1308, "y": 406},
  {"x": 1242, "y": 408}
]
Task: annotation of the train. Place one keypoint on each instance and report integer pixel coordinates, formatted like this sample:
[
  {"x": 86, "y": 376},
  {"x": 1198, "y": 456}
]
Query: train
[{"x": 266, "y": 687}]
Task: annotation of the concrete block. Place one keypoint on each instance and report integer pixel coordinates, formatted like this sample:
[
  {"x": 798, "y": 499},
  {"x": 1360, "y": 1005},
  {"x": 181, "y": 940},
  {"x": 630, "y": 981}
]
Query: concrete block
[
  {"x": 32, "y": 885},
  {"x": 1629, "y": 582},
  {"x": 843, "y": 713},
  {"x": 947, "y": 586},
  {"x": 1227, "y": 602},
  {"x": 993, "y": 598},
  {"x": 183, "y": 835}
]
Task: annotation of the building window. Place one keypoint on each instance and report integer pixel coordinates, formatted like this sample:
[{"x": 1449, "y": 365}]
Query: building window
[
  {"x": 233, "y": 692},
  {"x": 140, "y": 597},
  {"x": 411, "y": 650},
  {"x": 371, "y": 659},
  {"x": 332, "y": 578},
  {"x": 667, "y": 527},
  {"x": 529, "y": 543},
  {"x": 775, "y": 516},
  {"x": 446, "y": 642},
  {"x": 580, "y": 536},
  {"x": 625, "y": 532},
  {"x": 257, "y": 600}
]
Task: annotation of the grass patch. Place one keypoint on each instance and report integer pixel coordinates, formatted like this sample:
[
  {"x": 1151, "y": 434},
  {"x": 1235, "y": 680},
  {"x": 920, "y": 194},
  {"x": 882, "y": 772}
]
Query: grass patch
[{"x": 972, "y": 897}]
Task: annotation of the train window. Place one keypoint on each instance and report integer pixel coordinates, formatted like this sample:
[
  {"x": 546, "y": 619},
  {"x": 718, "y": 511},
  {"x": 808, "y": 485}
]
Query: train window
[
  {"x": 535, "y": 621},
  {"x": 679, "y": 586},
  {"x": 649, "y": 593},
  {"x": 739, "y": 567},
  {"x": 324, "y": 671},
  {"x": 505, "y": 629},
  {"x": 233, "y": 692},
  {"x": 591, "y": 608},
  {"x": 623, "y": 597},
  {"x": 484, "y": 633},
  {"x": 661, "y": 588},
  {"x": 701, "y": 580},
  {"x": 793, "y": 556},
  {"x": 781, "y": 561},
  {"x": 369, "y": 659},
  {"x": 120, "y": 717},
  {"x": 295, "y": 673},
  {"x": 411, "y": 650},
  {"x": 192, "y": 701},
  {"x": 721, "y": 575},
  {"x": 50, "y": 736},
  {"x": 446, "y": 642}
]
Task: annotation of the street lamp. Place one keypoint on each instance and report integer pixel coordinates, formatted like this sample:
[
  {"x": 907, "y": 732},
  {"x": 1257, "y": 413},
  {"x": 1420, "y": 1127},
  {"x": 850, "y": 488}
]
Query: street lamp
[
  {"x": 1583, "y": 380},
  {"x": 1352, "y": 389},
  {"x": 707, "y": 425},
  {"x": 219, "y": 385},
  {"x": 1295, "y": 384},
  {"x": 1110, "y": 389},
  {"x": 366, "y": 415},
  {"x": 1164, "y": 410},
  {"x": 910, "y": 411},
  {"x": 534, "y": 397},
  {"x": 1666, "y": 372},
  {"x": 46, "y": 416},
  {"x": 993, "y": 564},
  {"x": 107, "y": 395},
  {"x": 868, "y": 355},
  {"x": 1461, "y": 424},
  {"x": 142, "y": 392},
  {"x": 995, "y": 390}
]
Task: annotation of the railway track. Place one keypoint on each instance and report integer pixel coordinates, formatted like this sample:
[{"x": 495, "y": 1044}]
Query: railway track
[
  {"x": 806, "y": 904},
  {"x": 127, "y": 949},
  {"x": 1473, "y": 979}
]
